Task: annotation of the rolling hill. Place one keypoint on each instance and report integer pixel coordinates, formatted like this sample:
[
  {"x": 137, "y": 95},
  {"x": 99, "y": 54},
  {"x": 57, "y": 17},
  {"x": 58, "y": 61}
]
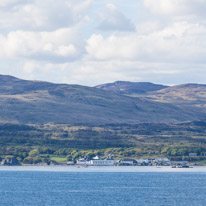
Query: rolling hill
[
  {"x": 123, "y": 87},
  {"x": 190, "y": 93},
  {"x": 32, "y": 102},
  {"x": 41, "y": 121}
]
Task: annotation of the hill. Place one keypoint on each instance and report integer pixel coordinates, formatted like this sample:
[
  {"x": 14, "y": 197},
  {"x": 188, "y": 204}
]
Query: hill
[
  {"x": 42, "y": 121},
  {"x": 32, "y": 102},
  {"x": 190, "y": 93},
  {"x": 123, "y": 87},
  {"x": 33, "y": 144}
]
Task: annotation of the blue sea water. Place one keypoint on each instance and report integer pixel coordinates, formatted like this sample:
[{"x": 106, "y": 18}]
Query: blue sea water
[{"x": 45, "y": 188}]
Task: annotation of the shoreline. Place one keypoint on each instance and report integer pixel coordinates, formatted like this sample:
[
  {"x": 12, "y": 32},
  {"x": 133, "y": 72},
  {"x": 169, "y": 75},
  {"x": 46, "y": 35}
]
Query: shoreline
[{"x": 126, "y": 169}]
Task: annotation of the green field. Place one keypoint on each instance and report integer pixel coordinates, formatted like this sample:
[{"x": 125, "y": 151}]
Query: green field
[{"x": 58, "y": 159}]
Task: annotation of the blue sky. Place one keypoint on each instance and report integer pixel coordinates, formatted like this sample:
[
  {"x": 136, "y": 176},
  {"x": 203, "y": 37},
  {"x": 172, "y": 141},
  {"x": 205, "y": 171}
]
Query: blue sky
[{"x": 91, "y": 42}]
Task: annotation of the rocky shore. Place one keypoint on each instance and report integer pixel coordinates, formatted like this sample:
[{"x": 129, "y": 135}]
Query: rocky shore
[{"x": 9, "y": 161}]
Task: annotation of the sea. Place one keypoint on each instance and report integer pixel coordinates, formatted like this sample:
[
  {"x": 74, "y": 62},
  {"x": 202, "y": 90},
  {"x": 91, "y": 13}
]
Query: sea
[{"x": 102, "y": 186}]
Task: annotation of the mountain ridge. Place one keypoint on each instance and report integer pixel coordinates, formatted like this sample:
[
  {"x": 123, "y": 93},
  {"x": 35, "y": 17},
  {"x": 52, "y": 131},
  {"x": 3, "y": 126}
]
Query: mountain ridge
[
  {"x": 125, "y": 87},
  {"x": 28, "y": 102}
]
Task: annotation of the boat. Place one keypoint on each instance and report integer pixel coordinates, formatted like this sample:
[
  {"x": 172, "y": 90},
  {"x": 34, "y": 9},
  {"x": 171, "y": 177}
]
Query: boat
[{"x": 181, "y": 166}]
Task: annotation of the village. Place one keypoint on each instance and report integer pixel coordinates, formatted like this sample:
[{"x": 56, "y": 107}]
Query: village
[
  {"x": 107, "y": 161},
  {"x": 96, "y": 161}
]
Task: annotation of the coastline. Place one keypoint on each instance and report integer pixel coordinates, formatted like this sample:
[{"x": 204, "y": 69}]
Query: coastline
[{"x": 126, "y": 169}]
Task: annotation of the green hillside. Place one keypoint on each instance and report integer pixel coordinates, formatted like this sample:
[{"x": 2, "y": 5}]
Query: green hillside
[
  {"x": 49, "y": 142},
  {"x": 28, "y": 102}
]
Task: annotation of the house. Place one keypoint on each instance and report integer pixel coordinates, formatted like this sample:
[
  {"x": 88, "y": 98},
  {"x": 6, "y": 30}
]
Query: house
[
  {"x": 70, "y": 162},
  {"x": 101, "y": 162},
  {"x": 158, "y": 160},
  {"x": 139, "y": 161},
  {"x": 150, "y": 160},
  {"x": 192, "y": 154},
  {"x": 166, "y": 160},
  {"x": 127, "y": 162},
  {"x": 81, "y": 161}
]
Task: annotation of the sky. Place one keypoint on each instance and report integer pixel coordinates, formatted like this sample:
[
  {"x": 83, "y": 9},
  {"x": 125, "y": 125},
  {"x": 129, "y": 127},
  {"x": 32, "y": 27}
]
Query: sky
[{"x": 91, "y": 42}]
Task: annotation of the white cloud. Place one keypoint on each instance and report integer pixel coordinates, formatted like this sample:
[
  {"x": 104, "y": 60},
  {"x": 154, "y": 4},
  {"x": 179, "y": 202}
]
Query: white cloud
[
  {"x": 30, "y": 66},
  {"x": 42, "y": 15},
  {"x": 92, "y": 73},
  {"x": 60, "y": 45},
  {"x": 6, "y": 3},
  {"x": 177, "y": 43},
  {"x": 115, "y": 20},
  {"x": 113, "y": 47},
  {"x": 60, "y": 41},
  {"x": 177, "y": 7},
  {"x": 97, "y": 72}
]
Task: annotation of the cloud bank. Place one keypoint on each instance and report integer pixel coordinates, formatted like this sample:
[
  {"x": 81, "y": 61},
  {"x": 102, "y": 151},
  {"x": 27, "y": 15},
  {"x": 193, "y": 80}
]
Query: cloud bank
[{"x": 92, "y": 42}]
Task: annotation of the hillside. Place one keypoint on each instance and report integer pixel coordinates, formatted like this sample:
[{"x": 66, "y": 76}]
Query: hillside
[
  {"x": 123, "y": 87},
  {"x": 41, "y": 121},
  {"x": 188, "y": 93},
  {"x": 27, "y": 102},
  {"x": 33, "y": 144}
]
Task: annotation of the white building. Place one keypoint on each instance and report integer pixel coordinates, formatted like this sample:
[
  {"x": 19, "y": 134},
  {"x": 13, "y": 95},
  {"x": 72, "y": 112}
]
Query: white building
[
  {"x": 140, "y": 161},
  {"x": 127, "y": 162},
  {"x": 193, "y": 154},
  {"x": 100, "y": 162},
  {"x": 81, "y": 161},
  {"x": 96, "y": 161}
]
